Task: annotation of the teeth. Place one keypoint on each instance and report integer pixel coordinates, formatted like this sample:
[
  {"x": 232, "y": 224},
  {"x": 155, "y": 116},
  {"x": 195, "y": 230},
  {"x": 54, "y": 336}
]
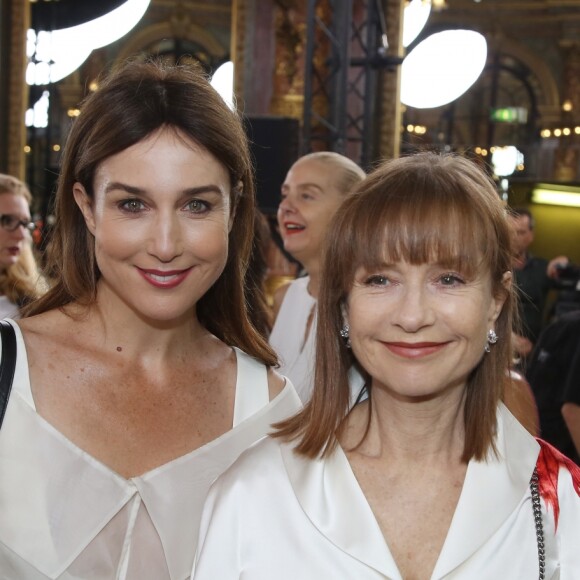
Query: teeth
[
  {"x": 294, "y": 227},
  {"x": 158, "y": 278}
]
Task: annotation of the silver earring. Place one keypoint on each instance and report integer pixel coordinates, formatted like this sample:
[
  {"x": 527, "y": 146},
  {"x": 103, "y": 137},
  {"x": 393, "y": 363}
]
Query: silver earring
[
  {"x": 345, "y": 333},
  {"x": 491, "y": 339}
]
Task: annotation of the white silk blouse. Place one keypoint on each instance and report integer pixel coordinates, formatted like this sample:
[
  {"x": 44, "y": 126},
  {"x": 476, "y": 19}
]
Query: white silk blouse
[{"x": 66, "y": 516}]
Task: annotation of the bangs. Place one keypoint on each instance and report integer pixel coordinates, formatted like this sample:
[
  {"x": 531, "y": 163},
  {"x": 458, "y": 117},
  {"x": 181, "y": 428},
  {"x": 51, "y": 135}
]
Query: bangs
[{"x": 427, "y": 226}]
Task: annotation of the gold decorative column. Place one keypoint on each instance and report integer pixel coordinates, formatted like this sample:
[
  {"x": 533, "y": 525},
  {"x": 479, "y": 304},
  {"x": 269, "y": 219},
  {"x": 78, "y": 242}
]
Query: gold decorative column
[
  {"x": 288, "y": 86},
  {"x": 568, "y": 152},
  {"x": 390, "y": 85},
  {"x": 238, "y": 40},
  {"x": 17, "y": 88}
]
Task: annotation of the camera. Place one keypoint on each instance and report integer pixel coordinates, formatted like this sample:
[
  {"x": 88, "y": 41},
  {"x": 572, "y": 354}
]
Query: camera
[
  {"x": 568, "y": 285},
  {"x": 568, "y": 274}
]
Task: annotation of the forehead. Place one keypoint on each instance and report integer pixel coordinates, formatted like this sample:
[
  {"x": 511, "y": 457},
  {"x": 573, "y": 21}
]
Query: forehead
[
  {"x": 165, "y": 157},
  {"x": 311, "y": 172},
  {"x": 10, "y": 203},
  {"x": 521, "y": 222}
]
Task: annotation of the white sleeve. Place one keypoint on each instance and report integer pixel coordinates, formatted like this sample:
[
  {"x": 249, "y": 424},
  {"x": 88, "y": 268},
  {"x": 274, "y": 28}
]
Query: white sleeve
[{"x": 568, "y": 532}]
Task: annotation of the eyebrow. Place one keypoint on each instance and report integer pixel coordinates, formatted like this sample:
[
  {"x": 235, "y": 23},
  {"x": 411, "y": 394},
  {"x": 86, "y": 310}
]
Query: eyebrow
[
  {"x": 302, "y": 185},
  {"x": 117, "y": 185}
]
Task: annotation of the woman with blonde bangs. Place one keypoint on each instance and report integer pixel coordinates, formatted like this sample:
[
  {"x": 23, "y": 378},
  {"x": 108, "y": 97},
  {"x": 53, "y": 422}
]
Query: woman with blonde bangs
[{"x": 431, "y": 476}]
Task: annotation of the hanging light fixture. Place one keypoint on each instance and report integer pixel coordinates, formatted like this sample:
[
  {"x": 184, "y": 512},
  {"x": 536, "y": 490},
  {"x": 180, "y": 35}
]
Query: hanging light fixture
[
  {"x": 55, "y": 54},
  {"x": 442, "y": 67}
]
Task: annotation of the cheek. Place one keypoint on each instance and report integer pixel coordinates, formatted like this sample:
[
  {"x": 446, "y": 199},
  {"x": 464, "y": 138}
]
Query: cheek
[
  {"x": 209, "y": 241},
  {"x": 363, "y": 317}
]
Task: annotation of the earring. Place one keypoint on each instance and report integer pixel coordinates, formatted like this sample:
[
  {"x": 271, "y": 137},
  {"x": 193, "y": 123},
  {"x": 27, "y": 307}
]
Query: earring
[
  {"x": 345, "y": 333},
  {"x": 491, "y": 339}
]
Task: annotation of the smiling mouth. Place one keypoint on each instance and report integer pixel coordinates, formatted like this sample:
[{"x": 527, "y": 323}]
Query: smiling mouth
[
  {"x": 160, "y": 279},
  {"x": 414, "y": 349},
  {"x": 292, "y": 228}
]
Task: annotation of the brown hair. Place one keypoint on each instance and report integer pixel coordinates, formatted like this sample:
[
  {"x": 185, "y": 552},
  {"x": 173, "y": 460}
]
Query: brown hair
[
  {"x": 417, "y": 208},
  {"x": 131, "y": 104},
  {"x": 20, "y": 282}
]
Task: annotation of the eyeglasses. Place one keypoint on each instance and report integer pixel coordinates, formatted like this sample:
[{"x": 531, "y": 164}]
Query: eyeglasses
[{"x": 11, "y": 222}]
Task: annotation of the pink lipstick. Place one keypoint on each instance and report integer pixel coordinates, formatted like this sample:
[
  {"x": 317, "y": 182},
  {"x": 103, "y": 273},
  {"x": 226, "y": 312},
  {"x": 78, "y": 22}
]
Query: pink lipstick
[
  {"x": 165, "y": 279},
  {"x": 414, "y": 349}
]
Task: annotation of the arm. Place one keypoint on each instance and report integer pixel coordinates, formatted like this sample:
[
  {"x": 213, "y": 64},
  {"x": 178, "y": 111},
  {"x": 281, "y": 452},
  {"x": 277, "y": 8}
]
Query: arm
[
  {"x": 571, "y": 398},
  {"x": 552, "y": 270},
  {"x": 519, "y": 399},
  {"x": 522, "y": 345},
  {"x": 571, "y": 414}
]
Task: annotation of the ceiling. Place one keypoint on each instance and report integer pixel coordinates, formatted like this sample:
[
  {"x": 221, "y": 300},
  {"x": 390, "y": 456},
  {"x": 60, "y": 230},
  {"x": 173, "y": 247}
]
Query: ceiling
[{"x": 57, "y": 14}]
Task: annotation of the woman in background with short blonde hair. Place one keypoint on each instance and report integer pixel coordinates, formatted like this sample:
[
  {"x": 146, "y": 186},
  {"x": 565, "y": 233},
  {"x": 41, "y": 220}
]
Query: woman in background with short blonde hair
[
  {"x": 19, "y": 277},
  {"x": 314, "y": 188}
]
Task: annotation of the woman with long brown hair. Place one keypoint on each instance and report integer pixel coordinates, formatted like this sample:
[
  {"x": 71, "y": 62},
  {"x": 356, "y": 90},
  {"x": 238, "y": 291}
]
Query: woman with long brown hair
[{"x": 139, "y": 375}]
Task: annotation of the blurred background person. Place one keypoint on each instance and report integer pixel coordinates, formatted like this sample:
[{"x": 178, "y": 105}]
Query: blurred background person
[
  {"x": 20, "y": 280},
  {"x": 313, "y": 190},
  {"x": 431, "y": 476},
  {"x": 554, "y": 375},
  {"x": 534, "y": 277}
]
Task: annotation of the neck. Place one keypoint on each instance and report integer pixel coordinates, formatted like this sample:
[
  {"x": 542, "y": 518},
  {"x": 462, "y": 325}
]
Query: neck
[
  {"x": 407, "y": 431},
  {"x": 117, "y": 327},
  {"x": 520, "y": 259},
  {"x": 312, "y": 267}
]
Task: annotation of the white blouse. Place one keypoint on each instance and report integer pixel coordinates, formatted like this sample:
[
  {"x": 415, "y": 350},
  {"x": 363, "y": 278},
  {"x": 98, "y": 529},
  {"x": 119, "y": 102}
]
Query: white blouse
[
  {"x": 64, "y": 515},
  {"x": 277, "y": 515},
  {"x": 287, "y": 338},
  {"x": 297, "y": 355}
]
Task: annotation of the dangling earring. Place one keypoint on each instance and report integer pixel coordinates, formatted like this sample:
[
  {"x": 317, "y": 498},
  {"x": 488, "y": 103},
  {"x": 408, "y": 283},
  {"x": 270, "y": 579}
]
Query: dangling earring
[
  {"x": 344, "y": 332},
  {"x": 491, "y": 339}
]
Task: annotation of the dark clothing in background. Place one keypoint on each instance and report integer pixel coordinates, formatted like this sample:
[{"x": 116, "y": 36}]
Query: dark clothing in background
[
  {"x": 533, "y": 285},
  {"x": 554, "y": 375}
]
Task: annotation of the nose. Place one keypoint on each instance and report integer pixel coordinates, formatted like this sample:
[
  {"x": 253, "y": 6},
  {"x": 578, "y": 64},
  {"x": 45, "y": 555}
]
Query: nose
[
  {"x": 20, "y": 232},
  {"x": 286, "y": 205},
  {"x": 166, "y": 238},
  {"x": 414, "y": 310}
]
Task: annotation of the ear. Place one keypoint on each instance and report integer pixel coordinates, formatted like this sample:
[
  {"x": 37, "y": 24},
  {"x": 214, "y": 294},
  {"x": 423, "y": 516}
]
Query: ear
[
  {"x": 237, "y": 191},
  {"x": 344, "y": 312},
  {"x": 499, "y": 300},
  {"x": 85, "y": 204}
]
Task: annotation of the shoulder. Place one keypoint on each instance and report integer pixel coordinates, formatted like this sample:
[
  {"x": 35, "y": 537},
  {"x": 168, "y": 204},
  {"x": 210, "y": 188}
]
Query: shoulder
[
  {"x": 49, "y": 327},
  {"x": 276, "y": 383}
]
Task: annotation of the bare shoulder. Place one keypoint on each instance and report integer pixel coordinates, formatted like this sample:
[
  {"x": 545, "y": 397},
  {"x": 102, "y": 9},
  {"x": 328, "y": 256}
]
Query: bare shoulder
[
  {"x": 278, "y": 298},
  {"x": 47, "y": 327},
  {"x": 276, "y": 383}
]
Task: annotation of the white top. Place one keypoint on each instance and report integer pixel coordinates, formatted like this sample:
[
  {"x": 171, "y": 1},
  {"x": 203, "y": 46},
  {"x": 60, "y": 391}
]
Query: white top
[
  {"x": 8, "y": 309},
  {"x": 309, "y": 520},
  {"x": 64, "y": 515},
  {"x": 297, "y": 355},
  {"x": 288, "y": 333}
]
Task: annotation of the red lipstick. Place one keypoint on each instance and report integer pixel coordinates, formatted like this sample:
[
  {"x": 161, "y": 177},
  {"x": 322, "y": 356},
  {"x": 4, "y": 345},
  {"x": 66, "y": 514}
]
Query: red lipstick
[
  {"x": 414, "y": 349},
  {"x": 165, "y": 279}
]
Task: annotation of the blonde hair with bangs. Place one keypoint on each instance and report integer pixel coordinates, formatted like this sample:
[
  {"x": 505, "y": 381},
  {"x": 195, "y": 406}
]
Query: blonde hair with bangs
[{"x": 420, "y": 208}]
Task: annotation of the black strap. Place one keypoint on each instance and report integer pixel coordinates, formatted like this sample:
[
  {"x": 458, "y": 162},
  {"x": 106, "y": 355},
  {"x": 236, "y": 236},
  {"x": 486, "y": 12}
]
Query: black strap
[{"x": 7, "y": 366}]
